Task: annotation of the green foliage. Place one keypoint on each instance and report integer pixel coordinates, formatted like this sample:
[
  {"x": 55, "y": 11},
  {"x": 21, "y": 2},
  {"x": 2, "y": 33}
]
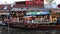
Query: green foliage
[{"x": 50, "y": 1}]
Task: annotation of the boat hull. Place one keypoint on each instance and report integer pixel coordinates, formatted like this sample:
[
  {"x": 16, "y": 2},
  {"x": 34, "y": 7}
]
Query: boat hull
[{"x": 34, "y": 26}]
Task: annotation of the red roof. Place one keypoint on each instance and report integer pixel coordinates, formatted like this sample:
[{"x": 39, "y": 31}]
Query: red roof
[
  {"x": 24, "y": 5},
  {"x": 3, "y": 5}
]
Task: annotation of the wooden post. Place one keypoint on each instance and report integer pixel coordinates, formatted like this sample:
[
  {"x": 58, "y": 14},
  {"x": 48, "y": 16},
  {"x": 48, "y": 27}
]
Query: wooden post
[{"x": 50, "y": 18}]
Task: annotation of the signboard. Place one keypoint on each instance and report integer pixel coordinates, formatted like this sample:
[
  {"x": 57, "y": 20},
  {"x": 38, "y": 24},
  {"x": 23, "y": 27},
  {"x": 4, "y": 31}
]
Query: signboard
[{"x": 35, "y": 2}]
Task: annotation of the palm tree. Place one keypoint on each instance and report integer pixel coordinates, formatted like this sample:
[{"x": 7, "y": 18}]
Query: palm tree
[{"x": 50, "y": 1}]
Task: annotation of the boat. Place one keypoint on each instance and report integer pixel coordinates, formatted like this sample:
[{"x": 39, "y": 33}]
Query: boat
[
  {"x": 35, "y": 26},
  {"x": 25, "y": 17}
]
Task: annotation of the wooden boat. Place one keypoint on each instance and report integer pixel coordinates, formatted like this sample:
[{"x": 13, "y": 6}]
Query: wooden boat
[{"x": 34, "y": 26}]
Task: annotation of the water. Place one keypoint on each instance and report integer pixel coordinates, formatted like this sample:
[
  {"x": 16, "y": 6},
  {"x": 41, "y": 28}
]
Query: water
[{"x": 6, "y": 30}]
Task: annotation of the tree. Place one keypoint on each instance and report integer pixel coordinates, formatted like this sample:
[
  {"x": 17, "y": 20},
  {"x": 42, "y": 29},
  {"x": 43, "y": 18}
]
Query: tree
[{"x": 50, "y": 1}]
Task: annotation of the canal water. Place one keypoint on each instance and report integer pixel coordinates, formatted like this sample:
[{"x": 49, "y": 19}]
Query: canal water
[{"x": 7, "y": 30}]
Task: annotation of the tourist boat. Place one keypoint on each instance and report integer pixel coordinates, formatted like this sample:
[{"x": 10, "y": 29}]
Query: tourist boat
[{"x": 32, "y": 17}]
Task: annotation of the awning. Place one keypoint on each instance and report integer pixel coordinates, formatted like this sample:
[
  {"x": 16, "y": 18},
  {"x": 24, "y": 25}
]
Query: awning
[
  {"x": 37, "y": 13},
  {"x": 25, "y": 9},
  {"x": 4, "y": 13}
]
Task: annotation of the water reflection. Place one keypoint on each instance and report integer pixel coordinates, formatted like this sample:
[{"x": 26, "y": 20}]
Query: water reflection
[{"x": 5, "y": 30}]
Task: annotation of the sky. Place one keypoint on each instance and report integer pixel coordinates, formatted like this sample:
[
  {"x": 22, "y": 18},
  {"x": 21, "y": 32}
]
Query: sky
[
  {"x": 12, "y": 1},
  {"x": 57, "y": 1},
  {"x": 9, "y": 1}
]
